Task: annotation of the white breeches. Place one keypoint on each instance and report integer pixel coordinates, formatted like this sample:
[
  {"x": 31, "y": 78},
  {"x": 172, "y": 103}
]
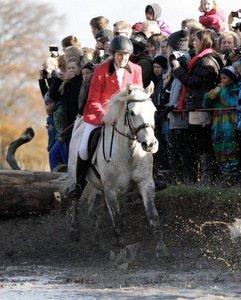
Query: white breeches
[{"x": 83, "y": 147}]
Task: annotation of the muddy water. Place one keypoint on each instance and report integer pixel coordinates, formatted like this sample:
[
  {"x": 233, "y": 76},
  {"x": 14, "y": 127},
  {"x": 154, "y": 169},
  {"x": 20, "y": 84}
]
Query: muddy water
[
  {"x": 72, "y": 282},
  {"x": 39, "y": 261}
]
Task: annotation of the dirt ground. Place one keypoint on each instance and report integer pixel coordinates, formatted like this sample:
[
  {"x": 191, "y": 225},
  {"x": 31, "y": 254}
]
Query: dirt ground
[{"x": 202, "y": 251}]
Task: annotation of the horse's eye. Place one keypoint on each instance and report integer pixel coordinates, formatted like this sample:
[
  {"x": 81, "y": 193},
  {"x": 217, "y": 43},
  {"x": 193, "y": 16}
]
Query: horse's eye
[{"x": 132, "y": 113}]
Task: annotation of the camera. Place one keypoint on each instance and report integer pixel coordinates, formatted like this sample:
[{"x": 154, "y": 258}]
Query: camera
[
  {"x": 237, "y": 26},
  {"x": 236, "y": 14},
  {"x": 237, "y": 51},
  {"x": 54, "y": 51},
  {"x": 181, "y": 56},
  {"x": 229, "y": 53}
]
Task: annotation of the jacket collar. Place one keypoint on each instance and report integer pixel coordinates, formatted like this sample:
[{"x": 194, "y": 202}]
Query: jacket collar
[{"x": 111, "y": 68}]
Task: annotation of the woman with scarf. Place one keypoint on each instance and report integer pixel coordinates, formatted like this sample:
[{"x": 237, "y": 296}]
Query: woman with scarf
[{"x": 200, "y": 76}]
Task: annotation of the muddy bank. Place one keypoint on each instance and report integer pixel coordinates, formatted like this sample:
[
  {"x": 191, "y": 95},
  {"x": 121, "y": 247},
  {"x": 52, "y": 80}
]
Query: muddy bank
[
  {"x": 38, "y": 258},
  {"x": 196, "y": 224}
]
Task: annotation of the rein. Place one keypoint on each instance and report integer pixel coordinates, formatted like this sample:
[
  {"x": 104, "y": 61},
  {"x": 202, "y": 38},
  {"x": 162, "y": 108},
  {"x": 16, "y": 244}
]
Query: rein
[{"x": 127, "y": 122}]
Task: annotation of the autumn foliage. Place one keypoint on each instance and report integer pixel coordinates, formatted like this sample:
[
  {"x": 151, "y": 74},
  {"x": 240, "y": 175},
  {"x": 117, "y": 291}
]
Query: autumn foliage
[{"x": 27, "y": 28}]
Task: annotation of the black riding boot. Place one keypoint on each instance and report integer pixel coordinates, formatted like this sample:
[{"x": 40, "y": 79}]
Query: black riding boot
[{"x": 76, "y": 189}]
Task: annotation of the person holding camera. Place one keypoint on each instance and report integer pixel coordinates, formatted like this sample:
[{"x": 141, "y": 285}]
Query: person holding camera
[
  {"x": 228, "y": 41},
  {"x": 46, "y": 74},
  {"x": 103, "y": 39},
  {"x": 177, "y": 148},
  {"x": 200, "y": 76}
]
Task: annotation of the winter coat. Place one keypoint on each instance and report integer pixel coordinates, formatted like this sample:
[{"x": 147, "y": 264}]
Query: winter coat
[
  {"x": 70, "y": 99},
  {"x": 164, "y": 28},
  {"x": 58, "y": 118},
  {"x": 104, "y": 85},
  {"x": 146, "y": 64},
  {"x": 223, "y": 126},
  {"x": 83, "y": 96},
  {"x": 213, "y": 19},
  {"x": 203, "y": 77}
]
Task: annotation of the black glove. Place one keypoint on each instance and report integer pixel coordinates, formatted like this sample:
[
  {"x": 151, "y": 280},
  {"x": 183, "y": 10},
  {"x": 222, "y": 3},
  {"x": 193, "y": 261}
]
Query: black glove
[{"x": 165, "y": 111}]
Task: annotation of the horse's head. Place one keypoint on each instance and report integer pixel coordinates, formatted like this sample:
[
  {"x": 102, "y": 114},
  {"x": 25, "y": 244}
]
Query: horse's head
[
  {"x": 135, "y": 106},
  {"x": 139, "y": 117}
]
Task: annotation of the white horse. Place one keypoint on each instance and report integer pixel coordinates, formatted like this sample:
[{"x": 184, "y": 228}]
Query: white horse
[{"x": 125, "y": 154}]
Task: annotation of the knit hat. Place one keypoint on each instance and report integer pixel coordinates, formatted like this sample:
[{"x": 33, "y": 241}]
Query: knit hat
[
  {"x": 137, "y": 27},
  {"x": 161, "y": 60},
  {"x": 89, "y": 66},
  {"x": 230, "y": 72},
  {"x": 178, "y": 40}
]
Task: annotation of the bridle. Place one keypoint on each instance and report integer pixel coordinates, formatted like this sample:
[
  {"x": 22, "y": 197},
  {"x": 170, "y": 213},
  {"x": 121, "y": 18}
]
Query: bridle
[{"x": 128, "y": 123}]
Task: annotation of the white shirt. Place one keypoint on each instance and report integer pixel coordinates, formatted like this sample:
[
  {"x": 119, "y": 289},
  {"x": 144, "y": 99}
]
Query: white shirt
[{"x": 120, "y": 74}]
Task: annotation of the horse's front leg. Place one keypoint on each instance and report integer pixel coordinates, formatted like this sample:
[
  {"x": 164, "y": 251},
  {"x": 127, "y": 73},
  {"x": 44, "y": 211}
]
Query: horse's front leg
[
  {"x": 147, "y": 190},
  {"x": 114, "y": 211}
]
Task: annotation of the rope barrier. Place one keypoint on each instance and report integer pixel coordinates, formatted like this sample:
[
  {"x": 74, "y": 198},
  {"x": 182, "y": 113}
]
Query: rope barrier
[{"x": 205, "y": 109}]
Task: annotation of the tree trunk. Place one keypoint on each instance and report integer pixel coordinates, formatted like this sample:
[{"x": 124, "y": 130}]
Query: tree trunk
[{"x": 25, "y": 193}]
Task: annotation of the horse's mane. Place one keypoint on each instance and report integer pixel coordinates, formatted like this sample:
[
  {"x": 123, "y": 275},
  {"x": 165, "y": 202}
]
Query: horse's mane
[{"x": 117, "y": 101}]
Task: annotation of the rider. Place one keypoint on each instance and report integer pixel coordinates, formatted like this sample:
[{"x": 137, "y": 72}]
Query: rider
[{"x": 111, "y": 76}]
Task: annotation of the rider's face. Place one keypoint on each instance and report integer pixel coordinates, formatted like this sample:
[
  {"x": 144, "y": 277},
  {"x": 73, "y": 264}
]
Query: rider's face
[{"x": 121, "y": 59}]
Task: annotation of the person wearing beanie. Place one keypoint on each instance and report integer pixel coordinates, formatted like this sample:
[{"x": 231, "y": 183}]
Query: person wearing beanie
[
  {"x": 153, "y": 13},
  {"x": 178, "y": 154},
  {"x": 230, "y": 75},
  {"x": 160, "y": 67},
  {"x": 137, "y": 27},
  {"x": 160, "y": 61},
  {"x": 224, "y": 121},
  {"x": 178, "y": 40}
]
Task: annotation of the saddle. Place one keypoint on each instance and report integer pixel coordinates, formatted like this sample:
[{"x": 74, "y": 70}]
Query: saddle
[
  {"x": 92, "y": 145},
  {"x": 93, "y": 141}
]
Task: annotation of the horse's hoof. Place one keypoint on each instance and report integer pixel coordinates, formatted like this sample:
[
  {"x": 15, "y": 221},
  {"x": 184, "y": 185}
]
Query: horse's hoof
[
  {"x": 74, "y": 234},
  {"x": 162, "y": 251}
]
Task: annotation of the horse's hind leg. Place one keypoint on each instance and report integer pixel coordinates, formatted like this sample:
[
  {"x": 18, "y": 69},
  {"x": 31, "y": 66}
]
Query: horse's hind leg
[
  {"x": 114, "y": 211},
  {"x": 147, "y": 191}
]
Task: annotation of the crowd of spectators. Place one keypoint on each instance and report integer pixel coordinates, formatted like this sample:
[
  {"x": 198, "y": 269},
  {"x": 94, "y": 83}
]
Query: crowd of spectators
[{"x": 196, "y": 72}]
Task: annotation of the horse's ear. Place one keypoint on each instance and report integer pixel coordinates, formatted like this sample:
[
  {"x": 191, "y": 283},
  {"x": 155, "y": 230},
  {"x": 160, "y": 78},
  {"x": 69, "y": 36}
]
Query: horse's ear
[
  {"x": 129, "y": 89},
  {"x": 150, "y": 89}
]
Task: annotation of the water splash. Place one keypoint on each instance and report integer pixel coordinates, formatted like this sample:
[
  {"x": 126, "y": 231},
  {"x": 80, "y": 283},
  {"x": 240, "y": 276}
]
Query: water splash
[{"x": 235, "y": 229}]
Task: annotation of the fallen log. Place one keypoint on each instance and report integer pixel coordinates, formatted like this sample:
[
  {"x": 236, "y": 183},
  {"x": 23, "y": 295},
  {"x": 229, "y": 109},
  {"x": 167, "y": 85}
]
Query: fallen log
[{"x": 24, "y": 193}]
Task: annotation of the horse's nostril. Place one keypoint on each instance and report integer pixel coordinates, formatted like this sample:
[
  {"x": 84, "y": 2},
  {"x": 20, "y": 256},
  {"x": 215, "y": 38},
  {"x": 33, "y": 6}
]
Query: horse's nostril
[{"x": 144, "y": 144}]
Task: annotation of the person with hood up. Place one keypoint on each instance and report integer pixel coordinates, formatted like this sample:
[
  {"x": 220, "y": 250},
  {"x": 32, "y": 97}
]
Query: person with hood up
[{"x": 153, "y": 13}]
